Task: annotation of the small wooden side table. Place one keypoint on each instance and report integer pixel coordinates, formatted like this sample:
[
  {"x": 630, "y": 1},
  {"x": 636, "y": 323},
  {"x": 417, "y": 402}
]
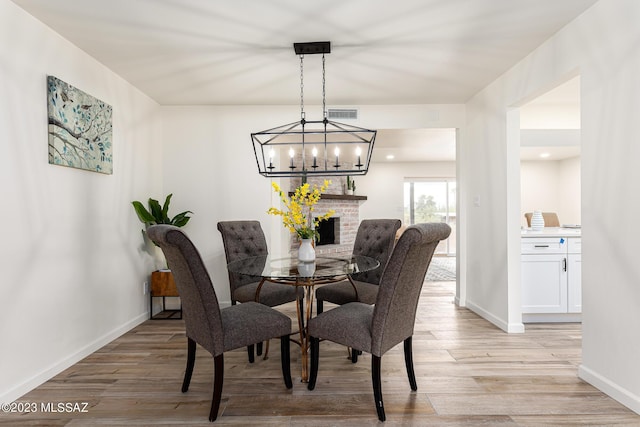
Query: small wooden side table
[{"x": 163, "y": 285}]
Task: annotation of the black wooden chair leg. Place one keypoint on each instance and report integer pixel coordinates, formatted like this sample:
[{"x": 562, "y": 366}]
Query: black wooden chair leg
[
  {"x": 259, "y": 348},
  {"x": 354, "y": 355},
  {"x": 250, "y": 352},
  {"x": 315, "y": 358},
  {"x": 408, "y": 361},
  {"x": 285, "y": 358},
  {"x": 191, "y": 360},
  {"x": 319, "y": 306},
  {"x": 218, "y": 379},
  {"x": 377, "y": 386}
]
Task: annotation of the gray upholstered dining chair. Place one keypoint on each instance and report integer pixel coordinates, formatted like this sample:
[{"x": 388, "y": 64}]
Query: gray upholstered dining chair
[
  {"x": 245, "y": 239},
  {"x": 217, "y": 330},
  {"x": 376, "y": 329},
  {"x": 375, "y": 238}
]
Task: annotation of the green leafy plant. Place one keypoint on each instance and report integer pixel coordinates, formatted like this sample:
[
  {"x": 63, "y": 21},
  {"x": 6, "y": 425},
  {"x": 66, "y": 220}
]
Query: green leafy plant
[{"x": 157, "y": 214}]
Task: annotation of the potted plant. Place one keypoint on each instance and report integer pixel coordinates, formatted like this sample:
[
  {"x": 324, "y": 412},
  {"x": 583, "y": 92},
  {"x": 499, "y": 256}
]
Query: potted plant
[
  {"x": 157, "y": 214},
  {"x": 162, "y": 282},
  {"x": 351, "y": 186}
]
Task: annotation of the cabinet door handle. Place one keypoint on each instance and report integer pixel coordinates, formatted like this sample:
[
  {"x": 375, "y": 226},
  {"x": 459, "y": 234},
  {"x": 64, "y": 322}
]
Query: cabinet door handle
[
  {"x": 541, "y": 246},
  {"x": 564, "y": 264}
]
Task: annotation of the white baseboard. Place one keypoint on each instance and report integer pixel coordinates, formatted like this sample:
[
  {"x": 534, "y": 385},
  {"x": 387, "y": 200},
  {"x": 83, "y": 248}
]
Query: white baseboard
[
  {"x": 552, "y": 317},
  {"x": 511, "y": 328},
  {"x": 46, "y": 374},
  {"x": 611, "y": 389}
]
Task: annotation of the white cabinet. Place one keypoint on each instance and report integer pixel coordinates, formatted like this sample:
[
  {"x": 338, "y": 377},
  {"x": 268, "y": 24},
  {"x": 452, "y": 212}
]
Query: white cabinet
[
  {"x": 544, "y": 284},
  {"x": 574, "y": 284},
  {"x": 551, "y": 285}
]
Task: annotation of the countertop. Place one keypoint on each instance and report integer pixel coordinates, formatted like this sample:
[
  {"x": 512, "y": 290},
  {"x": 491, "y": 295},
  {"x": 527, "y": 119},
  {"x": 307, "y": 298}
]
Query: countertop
[{"x": 552, "y": 232}]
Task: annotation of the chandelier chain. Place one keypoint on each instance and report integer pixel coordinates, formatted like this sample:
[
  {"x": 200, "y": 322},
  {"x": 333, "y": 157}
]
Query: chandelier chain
[
  {"x": 290, "y": 150},
  {"x": 302, "y": 87},
  {"x": 324, "y": 100}
]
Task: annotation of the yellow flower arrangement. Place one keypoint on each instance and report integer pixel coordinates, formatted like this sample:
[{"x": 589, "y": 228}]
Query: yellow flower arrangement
[{"x": 298, "y": 215}]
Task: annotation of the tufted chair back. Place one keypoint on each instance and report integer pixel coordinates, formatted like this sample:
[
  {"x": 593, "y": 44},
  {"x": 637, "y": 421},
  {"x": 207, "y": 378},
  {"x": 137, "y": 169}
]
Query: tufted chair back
[
  {"x": 375, "y": 238},
  {"x": 242, "y": 239},
  {"x": 397, "y": 303},
  {"x": 378, "y": 328},
  {"x": 201, "y": 311}
]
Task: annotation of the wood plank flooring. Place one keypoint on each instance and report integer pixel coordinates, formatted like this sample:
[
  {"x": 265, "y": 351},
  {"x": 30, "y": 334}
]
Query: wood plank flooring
[{"x": 469, "y": 373}]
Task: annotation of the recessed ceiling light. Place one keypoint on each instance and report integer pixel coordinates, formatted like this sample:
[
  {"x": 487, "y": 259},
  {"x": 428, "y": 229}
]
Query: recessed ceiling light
[
  {"x": 390, "y": 157},
  {"x": 544, "y": 155}
]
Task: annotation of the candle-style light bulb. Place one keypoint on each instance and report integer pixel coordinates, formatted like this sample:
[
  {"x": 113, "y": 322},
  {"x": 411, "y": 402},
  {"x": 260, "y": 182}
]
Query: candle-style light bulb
[
  {"x": 337, "y": 153},
  {"x": 291, "y": 154},
  {"x": 315, "y": 157},
  {"x": 358, "y": 153},
  {"x": 272, "y": 154}
]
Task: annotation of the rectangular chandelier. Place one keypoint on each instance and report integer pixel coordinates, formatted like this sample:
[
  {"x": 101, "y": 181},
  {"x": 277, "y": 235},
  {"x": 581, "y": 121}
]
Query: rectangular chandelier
[
  {"x": 308, "y": 147},
  {"x": 313, "y": 148}
]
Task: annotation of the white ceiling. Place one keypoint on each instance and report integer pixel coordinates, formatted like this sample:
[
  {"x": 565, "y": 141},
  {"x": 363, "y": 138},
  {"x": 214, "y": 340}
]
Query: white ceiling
[
  {"x": 204, "y": 52},
  {"x": 414, "y": 145},
  {"x": 551, "y": 124}
]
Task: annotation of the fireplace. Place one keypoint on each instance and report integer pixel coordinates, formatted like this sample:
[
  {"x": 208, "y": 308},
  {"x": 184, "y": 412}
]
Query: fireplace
[
  {"x": 343, "y": 223},
  {"x": 329, "y": 232}
]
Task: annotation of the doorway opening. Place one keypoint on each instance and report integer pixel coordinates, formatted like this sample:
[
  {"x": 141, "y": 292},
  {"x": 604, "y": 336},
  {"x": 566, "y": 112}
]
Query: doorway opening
[{"x": 432, "y": 200}]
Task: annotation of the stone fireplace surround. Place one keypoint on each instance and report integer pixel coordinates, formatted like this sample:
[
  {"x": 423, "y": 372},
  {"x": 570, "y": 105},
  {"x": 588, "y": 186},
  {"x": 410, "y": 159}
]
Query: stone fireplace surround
[{"x": 347, "y": 208}]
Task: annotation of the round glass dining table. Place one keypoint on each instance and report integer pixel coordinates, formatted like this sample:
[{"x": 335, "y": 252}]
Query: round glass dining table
[{"x": 291, "y": 271}]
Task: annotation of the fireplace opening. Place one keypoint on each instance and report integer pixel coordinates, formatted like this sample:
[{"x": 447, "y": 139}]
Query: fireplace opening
[{"x": 329, "y": 232}]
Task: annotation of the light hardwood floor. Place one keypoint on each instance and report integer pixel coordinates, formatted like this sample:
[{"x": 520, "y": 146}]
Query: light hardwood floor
[{"x": 469, "y": 373}]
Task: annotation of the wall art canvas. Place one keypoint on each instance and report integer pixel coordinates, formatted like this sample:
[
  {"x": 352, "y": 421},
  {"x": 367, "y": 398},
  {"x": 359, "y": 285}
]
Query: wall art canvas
[{"x": 80, "y": 128}]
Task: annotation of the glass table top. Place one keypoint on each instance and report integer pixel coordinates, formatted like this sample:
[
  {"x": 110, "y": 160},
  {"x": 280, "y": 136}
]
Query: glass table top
[{"x": 290, "y": 268}]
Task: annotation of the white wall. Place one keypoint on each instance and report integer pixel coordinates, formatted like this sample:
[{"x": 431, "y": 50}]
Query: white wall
[
  {"x": 384, "y": 185},
  {"x": 570, "y": 189},
  {"x": 210, "y": 167},
  {"x": 72, "y": 257},
  {"x": 551, "y": 186},
  {"x": 604, "y": 45}
]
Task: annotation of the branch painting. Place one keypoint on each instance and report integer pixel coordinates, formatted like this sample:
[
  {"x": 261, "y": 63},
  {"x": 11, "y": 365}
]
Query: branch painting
[{"x": 80, "y": 128}]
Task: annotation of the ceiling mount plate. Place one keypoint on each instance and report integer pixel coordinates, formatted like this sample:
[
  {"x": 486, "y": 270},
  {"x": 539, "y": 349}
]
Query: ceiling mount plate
[{"x": 311, "y": 48}]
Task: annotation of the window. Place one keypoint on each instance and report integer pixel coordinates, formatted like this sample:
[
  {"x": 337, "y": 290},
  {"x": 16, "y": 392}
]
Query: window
[{"x": 432, "y": 200}]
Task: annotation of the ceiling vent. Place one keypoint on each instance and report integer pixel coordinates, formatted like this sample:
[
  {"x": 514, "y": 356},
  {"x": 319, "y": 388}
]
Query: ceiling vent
[{"x": 342, "y": 113}]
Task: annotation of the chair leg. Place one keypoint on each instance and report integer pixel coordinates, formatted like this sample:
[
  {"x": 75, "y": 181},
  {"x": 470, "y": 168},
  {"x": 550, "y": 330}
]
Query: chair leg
[
  {"x": 250, "y": 352},
  {"x": 408, "y": 361},
  {"x": 315, "y": 358},
  {"x": 191, "y": 360},
  {"x": 319, "y": 306},
  {"x": 285, "y": 359},
  {"x": 377, "y": 386},
  {"x": 354, "y": 355},
  {"x": 259, "y": 349},
  {"x": 218, "y": 379}
]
